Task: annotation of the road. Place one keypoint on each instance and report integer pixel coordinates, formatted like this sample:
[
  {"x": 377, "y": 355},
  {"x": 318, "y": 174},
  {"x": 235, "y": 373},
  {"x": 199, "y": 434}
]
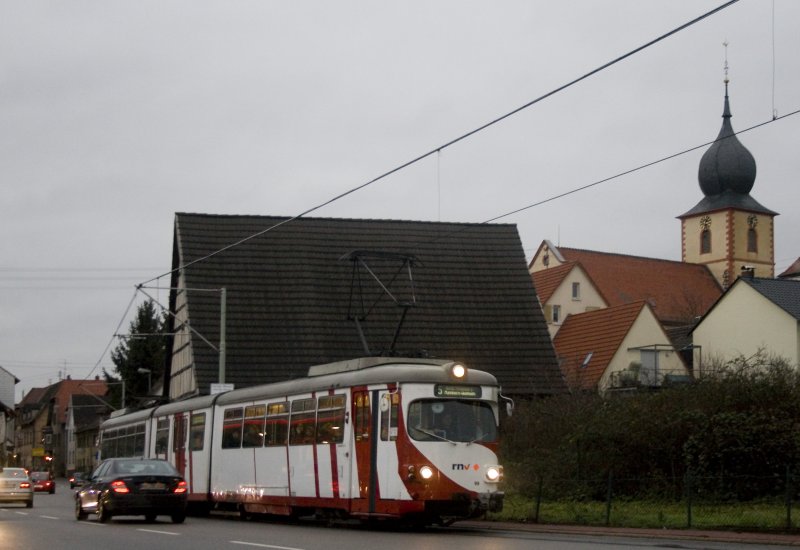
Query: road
[{"x": 51, "y": 525}]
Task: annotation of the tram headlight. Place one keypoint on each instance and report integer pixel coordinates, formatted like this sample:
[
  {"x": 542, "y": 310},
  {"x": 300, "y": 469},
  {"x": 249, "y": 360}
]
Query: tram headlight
[
  {"x": 420, "y": 473},
  {"x": 494, "y": 474},
  {"x": 458, "y": 371}
]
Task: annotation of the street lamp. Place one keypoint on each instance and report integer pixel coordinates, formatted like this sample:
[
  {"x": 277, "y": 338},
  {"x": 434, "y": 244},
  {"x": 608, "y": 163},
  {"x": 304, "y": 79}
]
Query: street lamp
[{"x": 149, "y": 374}]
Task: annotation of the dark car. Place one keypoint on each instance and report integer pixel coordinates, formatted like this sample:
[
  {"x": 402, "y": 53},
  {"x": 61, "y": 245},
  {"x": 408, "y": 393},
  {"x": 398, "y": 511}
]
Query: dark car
[
  {"x": 78, "y": 479},
  {"x": 133, "y": 487},
  {"x": 43, "y": 482}
]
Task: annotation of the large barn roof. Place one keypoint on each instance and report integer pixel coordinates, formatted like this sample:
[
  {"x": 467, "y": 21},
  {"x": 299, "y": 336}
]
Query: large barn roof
[{"x": 292, "y": 292}]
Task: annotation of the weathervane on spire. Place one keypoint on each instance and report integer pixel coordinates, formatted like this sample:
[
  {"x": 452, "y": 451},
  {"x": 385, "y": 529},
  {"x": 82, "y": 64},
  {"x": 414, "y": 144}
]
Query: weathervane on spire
[{"x": 726, "y": 61}]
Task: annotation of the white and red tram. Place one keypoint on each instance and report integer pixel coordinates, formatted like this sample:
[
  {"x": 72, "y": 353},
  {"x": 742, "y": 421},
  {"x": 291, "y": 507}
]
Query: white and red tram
[{"x": 374, "y": 437}]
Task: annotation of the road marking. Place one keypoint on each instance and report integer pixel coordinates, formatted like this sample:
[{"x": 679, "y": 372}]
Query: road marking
[
  {"x": 158, "y": 532},
  {"x": 49, "y": 517},
  {"x": 264, "y": 545},
  {"x": 22, "y": 513}
]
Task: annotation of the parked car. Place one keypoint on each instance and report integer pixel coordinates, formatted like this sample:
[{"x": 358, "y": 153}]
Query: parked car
[
  {"x": 77, "y": 479},
  {"x": 16, "y": 486},
  {"x": 43, "y": 482},
  {"x": 133, "y": 487}
]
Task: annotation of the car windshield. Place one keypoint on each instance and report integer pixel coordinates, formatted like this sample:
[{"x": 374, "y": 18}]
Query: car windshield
[
  {"x": 12, "y": 472},
  {"x": 451, "y": 420},
  {"x": 143, "y": 467}
]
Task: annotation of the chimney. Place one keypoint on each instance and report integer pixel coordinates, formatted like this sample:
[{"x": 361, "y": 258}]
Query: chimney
[{"x": 748, "y": 272}]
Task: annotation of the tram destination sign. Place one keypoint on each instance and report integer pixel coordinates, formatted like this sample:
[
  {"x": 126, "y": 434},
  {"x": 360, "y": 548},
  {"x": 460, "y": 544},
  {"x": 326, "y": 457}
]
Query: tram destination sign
[{"x": 447, "y": 390}]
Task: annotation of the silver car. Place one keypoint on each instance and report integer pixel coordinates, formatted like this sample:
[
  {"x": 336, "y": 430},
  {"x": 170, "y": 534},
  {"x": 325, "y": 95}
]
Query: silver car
[{"x": 16, "y": 486}]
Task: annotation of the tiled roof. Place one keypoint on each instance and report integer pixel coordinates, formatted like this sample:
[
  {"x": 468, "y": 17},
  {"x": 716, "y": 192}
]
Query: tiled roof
[
  {"x": 548, "y": 280},
  {"x": 289, "y": 293},
  {"x": 88, "y": 412},
  {"x": 601, "y": 333},
  {"x": 784, "y": 293},
  {"x": 676, "y": 291},
  {"x": 793, "y": 270},
  {"x": 69, "y": 387}
]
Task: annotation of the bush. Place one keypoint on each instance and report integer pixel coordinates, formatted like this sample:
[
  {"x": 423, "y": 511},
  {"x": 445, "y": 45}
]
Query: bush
[{"x": 741, "y": 422}]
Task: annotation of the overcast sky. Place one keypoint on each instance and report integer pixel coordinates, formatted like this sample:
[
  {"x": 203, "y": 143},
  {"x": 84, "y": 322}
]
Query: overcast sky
[{"x": 115, "y": 115}]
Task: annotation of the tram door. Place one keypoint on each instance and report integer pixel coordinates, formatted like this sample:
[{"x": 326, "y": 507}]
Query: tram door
[
  {"x": 363, "y": 475},
  {"x": 375, "y": 457},
  {"x": 179, "y": 442}
]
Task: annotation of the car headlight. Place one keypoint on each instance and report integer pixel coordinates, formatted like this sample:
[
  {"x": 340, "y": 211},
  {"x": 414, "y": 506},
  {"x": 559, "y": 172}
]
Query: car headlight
[
  {"x": 426, "y": 472},
  {"x": 494, "y": 474}
]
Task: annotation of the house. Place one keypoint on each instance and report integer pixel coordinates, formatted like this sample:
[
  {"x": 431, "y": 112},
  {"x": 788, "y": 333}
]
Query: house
[
  {"x": 619, "y": 347},
  {"x": 755, "y": 314},
  {"x": 300, "y": 292},
  {"x": 85, "y": 413},
  {"x": 7, "y": 383},
  {"x": 564, "y": 290},
  {"x": 791, "y": 272},
  {"x": 41, "y": 423},
  {"x": 678, "y": 292}
]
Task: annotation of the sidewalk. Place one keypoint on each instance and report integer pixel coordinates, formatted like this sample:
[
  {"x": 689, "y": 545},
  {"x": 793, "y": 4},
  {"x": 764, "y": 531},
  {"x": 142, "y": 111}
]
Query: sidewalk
[{"x": 679, "y": 534}]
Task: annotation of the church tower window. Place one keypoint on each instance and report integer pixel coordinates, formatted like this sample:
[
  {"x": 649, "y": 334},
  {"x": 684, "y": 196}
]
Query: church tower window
[
  {"x": 705, "y": 235},
  {"x": 752, "y": 235}
]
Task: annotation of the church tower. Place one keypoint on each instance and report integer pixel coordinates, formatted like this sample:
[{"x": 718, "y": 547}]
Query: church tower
[{"x": 728, "y": 230}]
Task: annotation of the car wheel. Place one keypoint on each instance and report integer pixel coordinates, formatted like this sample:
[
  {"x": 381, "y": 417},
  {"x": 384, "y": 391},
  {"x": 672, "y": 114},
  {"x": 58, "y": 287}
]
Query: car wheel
[
  {"x": 178, "y": 518},
  {"x": 29, "y": 504},
  {"x": 79, "y": 513},
  {"x": 103, "y": 515},
  {"x": 149, "y": 518},
  {"x": 53, "y": 491}
]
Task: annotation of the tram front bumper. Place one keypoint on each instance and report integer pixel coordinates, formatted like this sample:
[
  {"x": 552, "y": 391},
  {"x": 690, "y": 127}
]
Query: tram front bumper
[{"x": 492, "y": 502}]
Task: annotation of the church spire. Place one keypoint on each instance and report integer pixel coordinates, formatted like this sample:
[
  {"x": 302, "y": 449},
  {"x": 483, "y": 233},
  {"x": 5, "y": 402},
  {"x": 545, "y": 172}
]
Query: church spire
[{"x": 727, "y": 165}]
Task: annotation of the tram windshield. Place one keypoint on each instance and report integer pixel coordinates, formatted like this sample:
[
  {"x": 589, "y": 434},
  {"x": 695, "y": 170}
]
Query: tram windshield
[{"x": 451, "y": 420}]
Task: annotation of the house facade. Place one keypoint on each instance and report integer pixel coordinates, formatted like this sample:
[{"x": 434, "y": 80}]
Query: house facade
[
  {"x": 617, "y": 348},
  {"x": 7, "y": 416},
  {"x": 40, "y": 432},
  {"x": 754, "y": 315},
  {"x": 565, "y": 290}
]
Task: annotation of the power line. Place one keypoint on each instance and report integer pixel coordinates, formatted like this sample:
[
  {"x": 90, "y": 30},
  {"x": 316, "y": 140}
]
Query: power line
[
  {"x": 636, "y": 169},
  {"x": 453, "y": 141}
]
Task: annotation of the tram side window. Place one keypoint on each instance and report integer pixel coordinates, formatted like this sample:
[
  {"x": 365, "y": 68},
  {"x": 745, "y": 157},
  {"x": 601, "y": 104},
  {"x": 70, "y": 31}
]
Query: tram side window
[
  {"x": 232, "y": 429},
  {"x": 330, "y": 419},
  {"x": 390, "y": 404},
  {"x": 361, "y": 426},
  {"x": 138, "y": 440},
  {"x": 162, "y": 437},
  {"x": 277, "y": 424},
  {"x": 109, "y": 448},
  {"x": 254, "y": 426},
  {"x": 301, "y": 430},
  {"x": 197, "y": 432}
]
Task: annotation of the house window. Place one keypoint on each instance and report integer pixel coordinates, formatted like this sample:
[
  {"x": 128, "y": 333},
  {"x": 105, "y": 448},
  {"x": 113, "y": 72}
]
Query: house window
[
  {"x": 576, "y": 291},
  {"x": 556, "y": 314},
  {"x": 705, "y": 241},
  {"x": 752, "y": 240}
]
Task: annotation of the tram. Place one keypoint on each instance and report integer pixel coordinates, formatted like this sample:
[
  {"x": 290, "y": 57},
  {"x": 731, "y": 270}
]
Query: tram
[{"x": 369, "y": 438}]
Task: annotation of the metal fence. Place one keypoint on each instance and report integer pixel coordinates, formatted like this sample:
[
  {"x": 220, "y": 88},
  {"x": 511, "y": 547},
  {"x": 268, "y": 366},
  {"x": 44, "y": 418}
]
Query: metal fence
[{"x": 719, "y": 502}]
